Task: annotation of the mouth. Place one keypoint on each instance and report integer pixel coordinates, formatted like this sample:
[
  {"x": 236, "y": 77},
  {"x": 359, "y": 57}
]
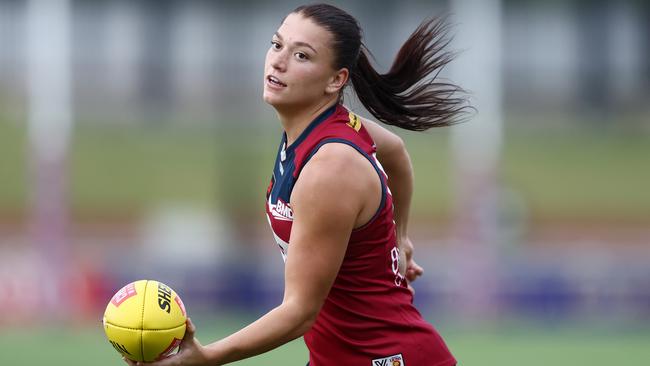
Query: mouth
[{"x": 275, "y": 81}]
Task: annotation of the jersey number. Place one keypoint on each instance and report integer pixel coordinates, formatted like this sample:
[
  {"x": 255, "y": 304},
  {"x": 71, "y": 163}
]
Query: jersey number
[{"x": 394, "y": 256}]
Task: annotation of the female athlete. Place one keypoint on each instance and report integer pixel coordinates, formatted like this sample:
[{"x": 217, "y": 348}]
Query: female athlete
[{"x": 340, "y": 222}]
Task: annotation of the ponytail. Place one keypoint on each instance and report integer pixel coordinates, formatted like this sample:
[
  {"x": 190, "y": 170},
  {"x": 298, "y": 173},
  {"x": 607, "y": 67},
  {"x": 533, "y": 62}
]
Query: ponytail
[{"x": 403, "y": 97}]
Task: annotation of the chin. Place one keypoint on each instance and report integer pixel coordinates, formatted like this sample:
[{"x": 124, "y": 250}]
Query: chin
[
  {"x": 269, "y": 99},
  {"x": 274, "y": 100}
]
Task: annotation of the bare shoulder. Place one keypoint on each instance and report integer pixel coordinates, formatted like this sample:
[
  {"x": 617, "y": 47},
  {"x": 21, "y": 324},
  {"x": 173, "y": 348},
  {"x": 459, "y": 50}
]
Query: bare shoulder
[
  {"x": 337, "y": 172},
  {"x": 372, "y": 126},
  {"x": 336, "y": 164},
  {"x": 337, "y": 184}
]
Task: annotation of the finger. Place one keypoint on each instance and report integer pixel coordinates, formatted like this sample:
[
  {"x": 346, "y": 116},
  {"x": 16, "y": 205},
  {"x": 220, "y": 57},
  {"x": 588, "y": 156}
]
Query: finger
[
  {"x": 164, "y": 362},
  {"x": 190, "y": 326},
  {"x": 416, "y": 268},
  {"x": 130, "y": 362},
  {"x": 413, "y": 272},
  {"x": 190, "y": 329},
  {"x": 411, "y": 289},
  {"x": 410, "y": 275},
  {"x": 188, "y": 338},
  {"x": 168, "y": 361}
]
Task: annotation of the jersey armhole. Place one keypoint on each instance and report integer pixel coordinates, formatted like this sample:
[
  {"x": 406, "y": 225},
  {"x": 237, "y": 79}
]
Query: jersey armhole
[{"x": 382, "y": 178}]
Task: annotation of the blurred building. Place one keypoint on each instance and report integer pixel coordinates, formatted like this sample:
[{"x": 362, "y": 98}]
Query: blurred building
[{"x": 189, "y": 61}]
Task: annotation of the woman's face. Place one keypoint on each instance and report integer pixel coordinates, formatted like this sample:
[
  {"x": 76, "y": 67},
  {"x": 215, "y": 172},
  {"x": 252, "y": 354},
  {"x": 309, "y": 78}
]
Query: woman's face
[{"x": 298, "y": 69}]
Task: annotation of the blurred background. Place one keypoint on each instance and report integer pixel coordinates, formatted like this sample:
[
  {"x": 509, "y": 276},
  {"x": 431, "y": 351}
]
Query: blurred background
[{"x": 134, "y": 144}]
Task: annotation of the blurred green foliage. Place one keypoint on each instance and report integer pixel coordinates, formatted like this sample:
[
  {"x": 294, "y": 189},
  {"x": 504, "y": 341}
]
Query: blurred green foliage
[
  {"x": 129, "y": 169},
  {"x": 13, "y": 167},
  {"x": 580, "y": 174}
]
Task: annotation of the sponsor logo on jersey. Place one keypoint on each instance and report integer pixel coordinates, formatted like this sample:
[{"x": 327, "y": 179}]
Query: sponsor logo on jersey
[
  {"x": 281, "y": 210},
  {"x": 354, "y": 122},
  {"x": 284, "y": 246},
  {"x": 394, "y": 360}
]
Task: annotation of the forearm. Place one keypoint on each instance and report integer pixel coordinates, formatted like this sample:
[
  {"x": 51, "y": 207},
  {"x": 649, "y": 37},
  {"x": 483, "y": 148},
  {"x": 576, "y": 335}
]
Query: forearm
[{"x": 279, "y": 326}]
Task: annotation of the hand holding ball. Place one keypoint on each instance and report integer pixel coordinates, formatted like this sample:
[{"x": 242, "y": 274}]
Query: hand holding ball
[{"x": 145, "y": 321}]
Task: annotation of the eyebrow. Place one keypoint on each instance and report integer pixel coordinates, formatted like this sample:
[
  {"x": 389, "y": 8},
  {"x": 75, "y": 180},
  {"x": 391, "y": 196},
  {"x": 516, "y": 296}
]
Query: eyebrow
[{"x": 298, "y": 43}]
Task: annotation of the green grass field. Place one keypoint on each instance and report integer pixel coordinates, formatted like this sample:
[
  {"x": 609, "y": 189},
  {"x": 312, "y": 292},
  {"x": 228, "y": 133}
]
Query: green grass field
[
  {"x": 507, "y": 346},
  {"x": 563, "y": 175}
]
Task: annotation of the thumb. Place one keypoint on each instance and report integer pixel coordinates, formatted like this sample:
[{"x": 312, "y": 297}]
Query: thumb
[
  {"x": 416, "y": 267},
  {"x": 411, "y": 289},
  {"x": 413, "y": 271},
  {"x": 190, "y": 330}
]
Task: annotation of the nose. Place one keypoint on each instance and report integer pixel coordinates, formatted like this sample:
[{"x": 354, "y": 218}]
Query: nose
[{"x": 278, "y": 60}]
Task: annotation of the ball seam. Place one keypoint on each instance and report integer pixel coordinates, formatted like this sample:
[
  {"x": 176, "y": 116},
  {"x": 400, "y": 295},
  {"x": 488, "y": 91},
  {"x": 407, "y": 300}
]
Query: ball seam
[
  {"x": 144, "y": 300},
  {"x": 152, "y": 330}
]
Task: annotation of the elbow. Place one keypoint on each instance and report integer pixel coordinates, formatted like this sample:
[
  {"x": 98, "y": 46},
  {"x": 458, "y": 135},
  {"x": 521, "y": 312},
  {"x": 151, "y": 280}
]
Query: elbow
[
  {"x": 307, "y": 323},
  {"x": 303, "y": 316},
  {"x": 308, "y": 318}
]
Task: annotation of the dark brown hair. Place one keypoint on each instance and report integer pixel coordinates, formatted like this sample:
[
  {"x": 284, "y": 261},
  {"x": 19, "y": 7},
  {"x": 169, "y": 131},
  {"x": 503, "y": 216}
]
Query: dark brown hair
[{"x": 403, "y": 97}]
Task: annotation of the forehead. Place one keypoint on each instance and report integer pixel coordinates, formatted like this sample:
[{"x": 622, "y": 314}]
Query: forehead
[{"x": 297, "y": 28}]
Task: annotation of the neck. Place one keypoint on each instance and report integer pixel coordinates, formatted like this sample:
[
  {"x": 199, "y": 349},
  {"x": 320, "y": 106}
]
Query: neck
[{"x": 295, "y": 120}]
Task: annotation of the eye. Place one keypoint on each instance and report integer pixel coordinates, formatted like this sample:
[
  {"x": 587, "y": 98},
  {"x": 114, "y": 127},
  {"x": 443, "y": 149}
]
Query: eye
[
  {"x": 301, "y": 56},
  {"x": 275, "y": 45}
]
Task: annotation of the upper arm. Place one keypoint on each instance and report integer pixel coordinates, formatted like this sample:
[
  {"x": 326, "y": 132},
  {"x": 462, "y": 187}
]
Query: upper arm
[
  {"x": 326, "y": 201},
  {"x": 394, "y": 157},
  {"x": 386, "y": 141}
]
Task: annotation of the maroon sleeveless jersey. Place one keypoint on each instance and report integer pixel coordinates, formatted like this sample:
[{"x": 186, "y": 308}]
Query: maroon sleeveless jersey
[{"x": 368, "y": 318}]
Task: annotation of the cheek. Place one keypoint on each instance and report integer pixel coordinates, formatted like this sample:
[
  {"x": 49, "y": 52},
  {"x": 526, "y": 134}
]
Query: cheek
[{"x": 311, "y": 77}]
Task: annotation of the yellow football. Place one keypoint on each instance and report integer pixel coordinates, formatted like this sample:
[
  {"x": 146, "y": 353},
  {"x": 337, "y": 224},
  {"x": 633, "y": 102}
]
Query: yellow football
[{"x": 145, "y": 321}]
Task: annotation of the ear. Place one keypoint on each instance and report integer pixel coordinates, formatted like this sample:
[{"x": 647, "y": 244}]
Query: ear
[{"x": 338, "y": 81}]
